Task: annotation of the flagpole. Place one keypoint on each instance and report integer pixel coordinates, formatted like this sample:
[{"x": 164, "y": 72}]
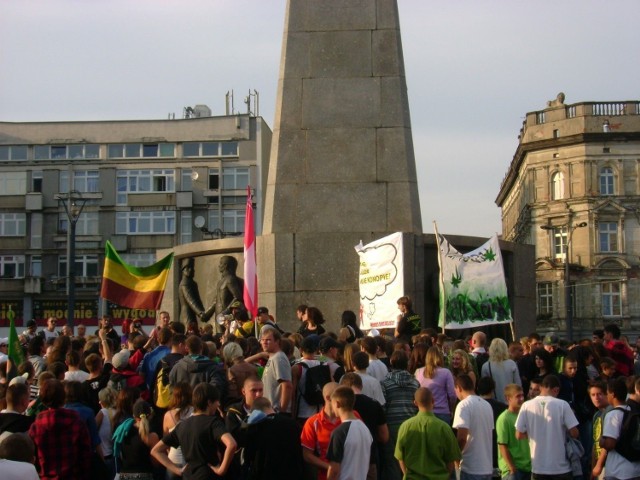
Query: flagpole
[
  {"x": 250, "y": 291},
  {"x": 443, "y": 310},
  {"x": 513, "y": 330}
]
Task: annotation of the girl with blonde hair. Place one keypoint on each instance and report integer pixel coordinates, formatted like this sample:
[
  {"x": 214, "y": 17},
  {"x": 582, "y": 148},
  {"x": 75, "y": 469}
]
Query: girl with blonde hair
[
  {"x": 440, "y": 381},
  {"x": 501, "y": 368},
  {"x": 460, "y": 364}
]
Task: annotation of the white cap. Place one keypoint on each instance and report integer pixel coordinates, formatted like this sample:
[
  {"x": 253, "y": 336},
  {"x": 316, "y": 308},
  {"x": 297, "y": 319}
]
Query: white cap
[
  {"x": 4, "y": 341},
  {"x": 374, "y": 332},
  {"x": 20, "y": 379}
]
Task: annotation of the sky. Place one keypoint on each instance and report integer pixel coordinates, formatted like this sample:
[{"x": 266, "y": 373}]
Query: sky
[{"x": 474, "y": 69}]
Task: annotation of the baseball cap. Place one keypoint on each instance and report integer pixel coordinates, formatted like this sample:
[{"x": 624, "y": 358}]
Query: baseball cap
[
  {"x": 121, "y": 359},
  {"x": 262, "y": 310},
  {"x": 4, "y": 341},
  {"x": 551, "y": 339},
  {"x": 31, "y": 323}
]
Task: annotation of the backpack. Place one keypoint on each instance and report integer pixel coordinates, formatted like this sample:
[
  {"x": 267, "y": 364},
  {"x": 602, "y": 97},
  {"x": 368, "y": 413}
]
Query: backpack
[
  {"x": 628, "y": 443},
  {"x": 315, "y": 380},
  {"x": 117, "y": 381},
  {"x": 162, "y": 390}
]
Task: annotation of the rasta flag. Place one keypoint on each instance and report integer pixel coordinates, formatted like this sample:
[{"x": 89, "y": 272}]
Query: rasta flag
[{"x": 134, "y": 287}]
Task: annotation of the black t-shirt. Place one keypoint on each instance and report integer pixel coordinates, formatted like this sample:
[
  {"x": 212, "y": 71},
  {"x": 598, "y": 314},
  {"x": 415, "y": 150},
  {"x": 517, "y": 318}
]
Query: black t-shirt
[
  {"x": 274, "y": 451},
  {"x": 91, "y": 388},
  {"x": 199, "y": 437},
  {"x": 373, "y": 416},
  {"x": 15, "y": 422},
  {"x": 136, "y": 455}
]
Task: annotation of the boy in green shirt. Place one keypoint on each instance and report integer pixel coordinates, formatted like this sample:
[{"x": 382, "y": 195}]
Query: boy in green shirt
[
  {"x": 426, "y": 447},
  {"x": 514, "y": 457}
]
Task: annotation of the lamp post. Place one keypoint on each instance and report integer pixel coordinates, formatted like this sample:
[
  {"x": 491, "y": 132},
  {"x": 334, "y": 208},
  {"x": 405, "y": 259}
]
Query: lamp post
[
  {"x": 567, "y": 285},
  {"x": 73, "y": 203}
]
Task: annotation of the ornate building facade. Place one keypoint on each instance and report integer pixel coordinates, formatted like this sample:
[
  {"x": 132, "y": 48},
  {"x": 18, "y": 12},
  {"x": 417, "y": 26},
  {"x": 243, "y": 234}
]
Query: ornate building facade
[{"x": 573, "y": 191}]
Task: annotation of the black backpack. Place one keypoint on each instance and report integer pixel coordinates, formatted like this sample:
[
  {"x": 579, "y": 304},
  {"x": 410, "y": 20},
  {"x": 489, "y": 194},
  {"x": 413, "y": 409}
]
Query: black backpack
[
  {"x": 628, "y": 443},
  {"x": 315, "y": 380}
]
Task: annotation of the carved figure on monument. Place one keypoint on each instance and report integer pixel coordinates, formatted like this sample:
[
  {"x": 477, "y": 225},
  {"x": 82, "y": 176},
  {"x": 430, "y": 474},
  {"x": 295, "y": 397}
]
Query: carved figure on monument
[
  {"x": 229, "y": 288},
  {"x": 558, "y": 102},
  {"x": 191, "y": 309}
]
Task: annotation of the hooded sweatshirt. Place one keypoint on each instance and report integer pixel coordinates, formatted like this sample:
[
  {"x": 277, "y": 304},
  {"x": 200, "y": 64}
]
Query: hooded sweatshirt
[
  {"x": 399, "y": 388},
  {"x": 195, "y": 369}
]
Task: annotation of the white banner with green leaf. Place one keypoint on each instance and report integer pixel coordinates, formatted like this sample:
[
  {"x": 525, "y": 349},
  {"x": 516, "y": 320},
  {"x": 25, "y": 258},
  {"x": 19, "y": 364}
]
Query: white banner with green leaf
[{"x": 473, "y": 291}]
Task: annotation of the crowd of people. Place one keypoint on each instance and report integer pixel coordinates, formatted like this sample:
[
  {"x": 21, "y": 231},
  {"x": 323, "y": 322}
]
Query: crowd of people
[{"x": 256, "y": 402}]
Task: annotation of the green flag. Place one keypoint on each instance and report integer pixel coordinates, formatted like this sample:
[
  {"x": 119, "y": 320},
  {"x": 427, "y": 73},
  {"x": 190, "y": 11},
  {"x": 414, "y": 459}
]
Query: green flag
[{"x": 16, "y": 355}]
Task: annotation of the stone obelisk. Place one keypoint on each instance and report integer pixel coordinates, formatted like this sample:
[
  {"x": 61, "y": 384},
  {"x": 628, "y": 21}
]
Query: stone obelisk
[{"x": 342, "y": 163}]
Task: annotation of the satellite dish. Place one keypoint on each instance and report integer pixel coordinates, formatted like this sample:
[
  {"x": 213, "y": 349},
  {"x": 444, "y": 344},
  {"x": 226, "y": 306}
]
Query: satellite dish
[{"x": 199, "y": 221}]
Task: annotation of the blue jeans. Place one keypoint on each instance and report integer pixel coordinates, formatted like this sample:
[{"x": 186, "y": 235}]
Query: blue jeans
[
  {"x": 519, "y": 475},
  {"x": 468, "y": 476}
]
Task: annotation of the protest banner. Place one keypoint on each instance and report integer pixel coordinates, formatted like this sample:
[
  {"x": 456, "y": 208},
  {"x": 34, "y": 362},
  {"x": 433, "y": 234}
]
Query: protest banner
[{"x": 381, "y": 280}]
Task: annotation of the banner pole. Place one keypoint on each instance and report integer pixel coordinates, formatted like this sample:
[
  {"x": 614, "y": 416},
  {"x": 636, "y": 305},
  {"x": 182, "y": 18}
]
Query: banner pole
[{"x": 441, "y": 297}]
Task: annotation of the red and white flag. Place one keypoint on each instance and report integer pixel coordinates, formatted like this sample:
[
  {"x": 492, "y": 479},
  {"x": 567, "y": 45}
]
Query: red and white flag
[{"x": 250, "y": 294}]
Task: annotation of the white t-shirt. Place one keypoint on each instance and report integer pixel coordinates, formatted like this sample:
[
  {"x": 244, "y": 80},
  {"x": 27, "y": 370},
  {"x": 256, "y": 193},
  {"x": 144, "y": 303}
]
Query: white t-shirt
[
  {"x": 377, "y": 369},
  {"x": 546, "y": 420},
  {"x": 476, "y": 415},
  {"x": 12, "y": 470},
  {"x": 616, "y": 465},
  {"x": 76, "y": 376},
  {"x": 372, "y": 388}
]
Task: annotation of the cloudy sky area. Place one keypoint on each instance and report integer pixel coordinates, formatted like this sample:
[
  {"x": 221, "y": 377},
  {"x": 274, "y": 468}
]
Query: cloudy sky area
[{"x": 474, "y": 68}]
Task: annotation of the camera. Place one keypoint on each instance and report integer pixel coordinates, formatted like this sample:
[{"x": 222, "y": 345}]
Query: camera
[{"x": 137, "y": 325}]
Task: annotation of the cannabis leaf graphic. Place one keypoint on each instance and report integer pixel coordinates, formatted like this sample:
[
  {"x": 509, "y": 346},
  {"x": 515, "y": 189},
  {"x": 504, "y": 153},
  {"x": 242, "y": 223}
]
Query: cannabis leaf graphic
[
  {"x": 489, "y": 255},
  {"x": 456, "y": 279}
]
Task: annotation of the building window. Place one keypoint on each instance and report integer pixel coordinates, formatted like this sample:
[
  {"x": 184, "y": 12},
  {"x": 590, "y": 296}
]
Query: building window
[
  {"x": 87, "y": 223},
  {"x": 210, "y": 149},
  {"x": 186, "y": 184},
  {"x": 214, "y": 179},
  {"x": 83, "y": 181},
  {"x": 235, "y": 178},
  {"x": 141, "y": 150},
  {"x": 64, "y": 152},
  {"x": 186, "y": 229},
  {"x": 13, "y": 153},
  {"x": 12, "y": 266},
  {"x": 13, "y": 224},
  {"x": 86, "y": 266},
  {"x": 36, "y": 181},
  {"x": 611, "y": 299},
  {"x": 35, "y": 235},
  {"x": 143, "y": 223},
  {"x": 560, "y": 243},
  {"x": 545, "y": 298},
  {"x": 557, "y": 186},
  {"x": 13, "y": 183},
  {"x": 608, "y": 236},
  {"x": 144, "y": 181},
  {"x": 233, "y": 221},
  {"x": 606, "y": 181},
  {"x": 139, "y": 259},
  {"x": 35, "y": 268}
]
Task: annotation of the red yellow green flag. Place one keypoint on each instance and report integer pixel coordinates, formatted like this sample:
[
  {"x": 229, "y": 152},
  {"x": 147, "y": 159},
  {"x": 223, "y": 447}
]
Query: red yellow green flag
[{"x": 134, "y": 287}]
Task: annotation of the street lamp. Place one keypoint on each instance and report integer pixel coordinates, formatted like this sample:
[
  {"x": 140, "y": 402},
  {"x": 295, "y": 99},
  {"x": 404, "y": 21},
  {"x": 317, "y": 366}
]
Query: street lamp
[
  {"x": 567, "y": 285},
  {"x": 73, "y": 203}
]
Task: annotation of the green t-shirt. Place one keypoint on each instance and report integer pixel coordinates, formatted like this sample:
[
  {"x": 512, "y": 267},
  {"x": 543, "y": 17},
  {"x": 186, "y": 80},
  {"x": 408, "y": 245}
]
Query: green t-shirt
[
  {"x": 519, "y": 449},
  {"x": 426, "y": 445}
]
